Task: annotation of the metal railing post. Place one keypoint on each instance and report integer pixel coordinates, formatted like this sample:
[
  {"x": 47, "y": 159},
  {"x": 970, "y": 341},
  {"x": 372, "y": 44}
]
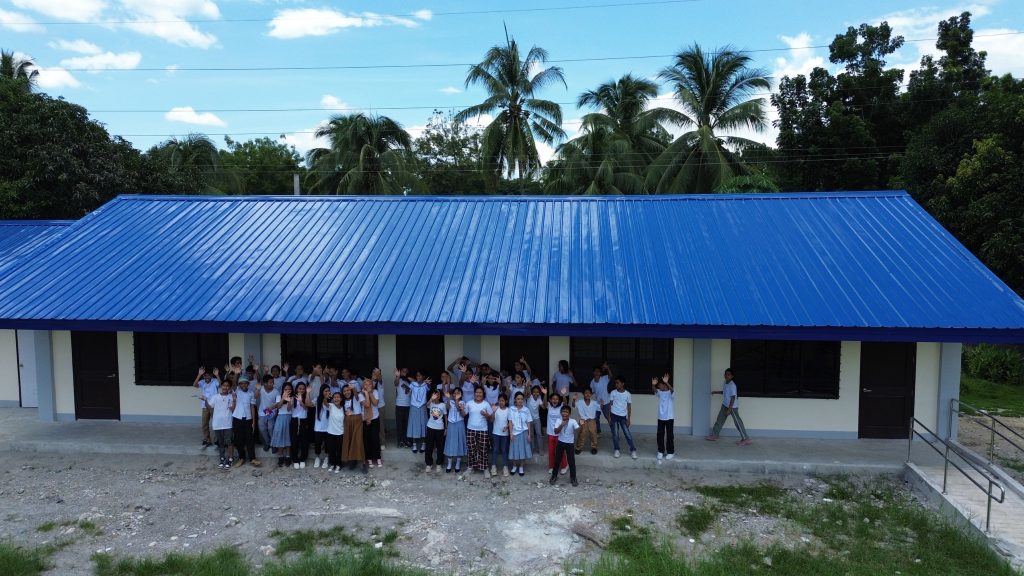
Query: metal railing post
[
  {"x": 988, "y": 508},
  {"x": 910, "y": 439},
  {"x": 992, "y": 441},
  {"x": 945, "y": 468}
]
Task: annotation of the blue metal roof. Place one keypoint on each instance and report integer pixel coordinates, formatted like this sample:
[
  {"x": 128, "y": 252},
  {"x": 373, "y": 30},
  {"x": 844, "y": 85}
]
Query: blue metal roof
[
  {"x": 18, "y": 237},
  {"x": 870, "y": 266}
]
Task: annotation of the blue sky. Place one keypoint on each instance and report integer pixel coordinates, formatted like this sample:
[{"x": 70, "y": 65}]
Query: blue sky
[{"x": 153, "y": 44}]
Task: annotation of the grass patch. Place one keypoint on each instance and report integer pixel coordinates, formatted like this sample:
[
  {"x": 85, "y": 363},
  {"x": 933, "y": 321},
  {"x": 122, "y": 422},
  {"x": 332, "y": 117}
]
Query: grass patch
[
  {"x": 220, "y": 562},
  {"x": 25, "y": 561},
  {"x": 1015, "y": 464},
  {"x": 694, "y": 520},
  {"x": 87, "y": 526},
  {"x": 307, "y": 541},
  {"x": 228, "y": 561},
  {"x": 997, "y": 398},
  {"x": 865, "y": 530}
]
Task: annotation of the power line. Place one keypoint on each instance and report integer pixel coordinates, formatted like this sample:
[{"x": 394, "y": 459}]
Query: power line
[
  {"x": 455, "y": 64},
  {"x": 409, "y": 15}
]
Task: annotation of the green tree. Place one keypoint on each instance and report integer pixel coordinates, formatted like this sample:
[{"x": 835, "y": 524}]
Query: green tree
[
  {"x": 512, "y": 83},
  {"x": 21, "y": 71},
  {"x": 367, "y": 154},
  {"x": 261, "y": 166},
  {"x": 448, "y": 157},
  {"x": 195, "y": 159},
  {"x": 617, "y": 143},
  {"x": 58, "y": 163},
  {"x": 716, "y": 92}
]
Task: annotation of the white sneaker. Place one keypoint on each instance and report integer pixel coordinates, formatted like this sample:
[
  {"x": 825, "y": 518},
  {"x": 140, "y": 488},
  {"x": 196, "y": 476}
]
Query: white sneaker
[
  {"x": 302, "y": 465},
  {"x": 426, "y": 468},
  {"x": 563, "y": 471},
  {"x": 437, "y": 467},
  {"x": 494, "y": 470},
  {"x": 316, "y": 462},
  {"x": 504, "y": 471},
  {"x": 633, "y": 454},
  {"x": 616, "y": 454},
  {"x": 549, "y": 470},
  {"x": 336, "y": 469},
  {"x": 660, "y": 455},
  {"x": 296, "y": 465},
  {"x": 487, "y": 473},
  {"x": 670, "y": 456}
]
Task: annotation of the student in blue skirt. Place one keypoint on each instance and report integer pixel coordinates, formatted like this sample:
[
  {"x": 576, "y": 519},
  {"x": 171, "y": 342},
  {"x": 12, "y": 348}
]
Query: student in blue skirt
[
  {"x": 416, "y": 431},
  {"x": 455, "y": 435},
  {"x": 520, "y": 421},
  {"x": 281, "y": 439}
]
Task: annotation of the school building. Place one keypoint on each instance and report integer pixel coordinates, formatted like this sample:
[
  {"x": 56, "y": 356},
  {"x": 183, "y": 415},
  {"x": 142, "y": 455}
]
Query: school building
[{"x": 842, "y": 314}]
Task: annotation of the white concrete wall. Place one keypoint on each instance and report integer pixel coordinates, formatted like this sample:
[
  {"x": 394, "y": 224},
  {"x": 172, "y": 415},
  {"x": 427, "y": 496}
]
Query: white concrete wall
[
  {"x": 453, "y": 348},
  {"x": 490, "y": 351},
  {"x": 150, "y": 403},
  {"x": 271, "y": 353},
  {"x": 236, "y": 347},
  {"x": 63, "y": 374},
  {"x": 558, "y": 349},
  {"x": 10, "y": 393},
  {"x": 926, "y": 384},
  {"x": 837, "y": 417}
]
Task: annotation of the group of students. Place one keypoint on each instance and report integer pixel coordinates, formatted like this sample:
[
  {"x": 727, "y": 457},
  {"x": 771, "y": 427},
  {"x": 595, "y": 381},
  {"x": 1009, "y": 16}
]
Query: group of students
[{"x": 490, "y": 420}]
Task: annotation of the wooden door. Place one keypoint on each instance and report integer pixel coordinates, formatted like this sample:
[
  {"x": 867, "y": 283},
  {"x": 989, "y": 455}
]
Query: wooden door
[
  {"x": 886, "y": 388},
  {"x": 94, "y": 365}
]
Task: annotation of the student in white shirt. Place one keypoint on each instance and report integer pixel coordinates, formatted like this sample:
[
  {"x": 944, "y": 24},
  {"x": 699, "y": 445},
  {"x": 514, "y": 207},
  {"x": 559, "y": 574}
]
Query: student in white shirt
[
  {"x": 335, "y": 430},
  {"x": 436, "y": 410},
  {"x": 402, "y": 396},
  {"x": 566, "y": 429},
  {"x": 730, "y": 407},
  {"x": 208, "y": 385},
  {"x": 221, "y": 405},
  {"x": 499, "y": 435},
  {"x": 520, "y": 419},
  {"x": 321, "y": 419},
  {"x": 599, "y": 386},
  {"x": 243, "y": 423},
  {"x": 666, "y": 417},
  {"x": 587, "y": 409},
  {"x": 478, "y": 417},
  {"x": 622, "y": 416}
]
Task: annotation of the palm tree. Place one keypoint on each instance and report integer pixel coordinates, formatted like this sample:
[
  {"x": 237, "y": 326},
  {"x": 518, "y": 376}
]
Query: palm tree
[
  {"x": 715, "y": 92},
  {"x": 367, "y": 154},
  {"x": 20, "y": 70},
  {"x": 616, "y": 143},
  {"x": 509, "y": 143},
  {"x": 196, "y": 156}
]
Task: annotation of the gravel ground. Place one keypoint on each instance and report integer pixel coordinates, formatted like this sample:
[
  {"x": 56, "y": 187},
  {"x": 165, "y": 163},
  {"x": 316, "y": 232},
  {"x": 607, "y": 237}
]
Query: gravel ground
[{"x": 149, "y": 505}]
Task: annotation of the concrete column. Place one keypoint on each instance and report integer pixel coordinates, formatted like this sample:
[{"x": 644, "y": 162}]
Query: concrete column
[
  {"x": 490, "y": 351},
  {"x": 558, "y": 349},
  {"x": 35, "y": 353},
  {"x": 453, "y": 348},
  {"x": 700, "y": 399},
  {"x": 949, "y": 387},
  {"x": 387, "y": 359},
  {"x": 252, "y": 345},
  {"x": 271, "y": 353},
  {"x": 471, "y": 347}
]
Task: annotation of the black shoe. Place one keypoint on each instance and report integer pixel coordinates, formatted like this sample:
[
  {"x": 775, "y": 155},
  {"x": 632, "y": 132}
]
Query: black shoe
[
  {"x": 552, "y": 481},
  {"x": 459, "y": 469},
  {"x": 578, "y": 452},
  {"x": 266, "y": 448},
  {"x": 448, "y": 470},
  {"x": 575, "y": 483},
  {"x": 366, "y": 469},
  {"x": 593, "y": 450}
]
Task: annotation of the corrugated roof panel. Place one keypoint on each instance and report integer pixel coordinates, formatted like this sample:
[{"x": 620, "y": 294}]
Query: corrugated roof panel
[
  {"x": 18, "y": 237},
  {"x": 818, "y": 265}
]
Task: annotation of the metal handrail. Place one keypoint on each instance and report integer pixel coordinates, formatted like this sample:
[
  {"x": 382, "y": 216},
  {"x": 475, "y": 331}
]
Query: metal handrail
[
  {"x": 949, "y": 446},
  {"x": 954, "y": 411}
]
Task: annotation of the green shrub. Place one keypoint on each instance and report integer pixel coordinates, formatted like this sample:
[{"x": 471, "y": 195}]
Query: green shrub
[{"x": 995, "y": 363}]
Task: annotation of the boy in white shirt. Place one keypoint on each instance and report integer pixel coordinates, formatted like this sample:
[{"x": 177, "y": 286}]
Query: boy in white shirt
[
  {"x": 588, "y": 410},
  {"x": 566, "y": 431},
  {"x": 243, "y": 421},
  {"x": 622, "y": 416},
  {"x": 666, "y": 417},
  {"x": 730, "y": 407},
  {"x": 221, "y": 406}
]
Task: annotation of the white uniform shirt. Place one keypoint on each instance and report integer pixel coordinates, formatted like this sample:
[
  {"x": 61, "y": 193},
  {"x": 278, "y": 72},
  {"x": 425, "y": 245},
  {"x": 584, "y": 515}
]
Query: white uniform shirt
[
  {"x": 666, "y": 410},
  {"x": 728, "y": 391},
  {"x": 600, "y": 389},
  {"x": 336, "y": 420},
  {"x": 475, "y": 418},
  {"x": 520, "y": 419},
  {"x": 221, "y": 405},
  {"x": 587, "y": 411},
  {"x": 620, "y": 401},
  {"x": 568, "y": 433},
  {"x": 244, "y": 401},
  {"x": 500, "y": 421}
]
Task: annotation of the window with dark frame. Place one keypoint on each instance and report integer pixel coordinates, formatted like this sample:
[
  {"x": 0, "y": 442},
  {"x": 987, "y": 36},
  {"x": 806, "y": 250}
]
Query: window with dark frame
[
  {"x": 171, "y": 359},
  {"x": 786, "y": 368},
  {"x": 637, "y": 360},
  {"x": 356, "y": 352}
]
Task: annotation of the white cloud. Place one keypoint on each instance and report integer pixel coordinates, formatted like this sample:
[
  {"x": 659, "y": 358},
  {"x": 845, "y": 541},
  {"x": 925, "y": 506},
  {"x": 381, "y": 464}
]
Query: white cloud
[
  {"x": 329, "y": 101},
  {"x": 305, "y": 140},
  {"x": 801, "y": 58},
  {"x": 171, "y": 69},
  {"x": 18, "y": 22},
  {"x": 300, "y": 22},
  {"x": 77, "y": 10},
  {"x": 423, "y": 14},
  {"x": 104, "y": 61},
  {"x": 79, "y": 46},
  {"x": 1004, "y": 50},
  {"x": 919, "y": 23},
  {"x": 166, "y": 19},
  {"x": 56, "y": 77},
  {"x": 451, "y": 90},
  {"x": 188, "y": 115}
]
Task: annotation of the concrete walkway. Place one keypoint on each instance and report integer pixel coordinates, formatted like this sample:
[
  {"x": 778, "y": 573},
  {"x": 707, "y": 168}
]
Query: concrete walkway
[{"x": 20, "y": 430}]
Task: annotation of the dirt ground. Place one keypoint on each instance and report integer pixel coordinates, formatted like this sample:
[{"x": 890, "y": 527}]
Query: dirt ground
[
  {"x": 974, "y": 434},
  {"x": 149, "y": 505}
]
